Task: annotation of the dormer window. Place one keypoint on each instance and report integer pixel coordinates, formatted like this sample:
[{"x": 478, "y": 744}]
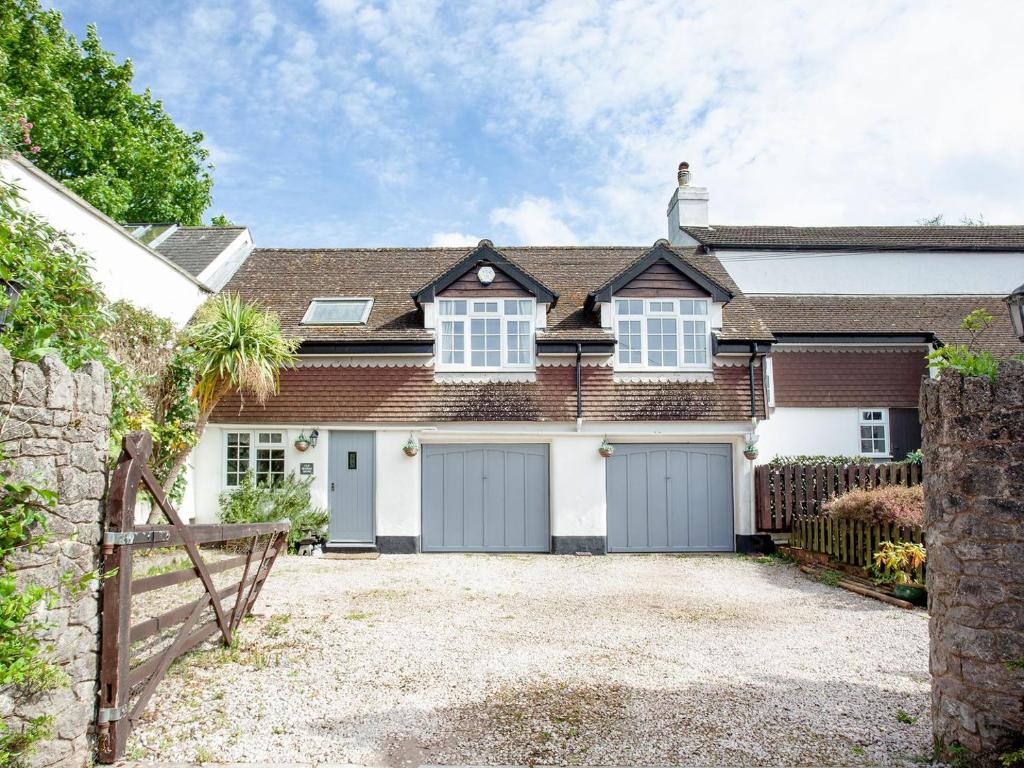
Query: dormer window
[
  {"x": 338, "y": 311},
  {"x": 492, "y": 334},
  {"x": 663, "y": 334}
]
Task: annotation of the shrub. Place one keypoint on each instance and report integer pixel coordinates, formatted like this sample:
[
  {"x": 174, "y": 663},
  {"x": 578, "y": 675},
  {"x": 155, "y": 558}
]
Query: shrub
[
  {"x": 819, "y": 461},
  {"x": 254, "y": 502},
  {"x": 887, "y": 504}
]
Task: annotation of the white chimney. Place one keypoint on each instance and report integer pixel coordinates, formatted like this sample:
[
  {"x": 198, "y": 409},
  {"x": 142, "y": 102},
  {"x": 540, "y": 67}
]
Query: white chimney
[{"x": 688, "y": 207}]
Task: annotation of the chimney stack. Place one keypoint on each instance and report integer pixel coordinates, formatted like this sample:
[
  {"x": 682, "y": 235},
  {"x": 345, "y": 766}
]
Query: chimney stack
[{"x": 688, "y": 207}]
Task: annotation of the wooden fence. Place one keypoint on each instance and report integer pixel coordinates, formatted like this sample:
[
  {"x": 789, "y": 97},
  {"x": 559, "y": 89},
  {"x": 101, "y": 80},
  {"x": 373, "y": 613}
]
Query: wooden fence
[
  {"x": 848, "y": 541},
  {"x": 782, "y": 493},
  {"x": 135, "y": 657}
]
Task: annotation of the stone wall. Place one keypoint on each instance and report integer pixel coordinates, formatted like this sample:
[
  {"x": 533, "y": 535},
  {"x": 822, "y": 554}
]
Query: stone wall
[
  {"x": 974, "y": 515},
  {"x": 54, "y": 427}
]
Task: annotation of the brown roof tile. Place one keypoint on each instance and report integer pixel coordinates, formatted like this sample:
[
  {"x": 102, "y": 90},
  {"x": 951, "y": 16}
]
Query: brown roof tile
[
  {"x": 939, "y": 315},
  {"x": 943, "y": 238},
  {"x": 286, "y": 281}
]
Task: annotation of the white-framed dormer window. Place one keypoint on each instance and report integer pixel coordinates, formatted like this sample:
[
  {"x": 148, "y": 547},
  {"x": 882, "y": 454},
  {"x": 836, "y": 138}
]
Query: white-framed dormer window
[
  {"x": 337, "y": 311},
  {"x": 664, "y": 334},
  {"x": 874, "y": 431},
  {"x": 259, "y": 452},
  {"x": 485, "y": 334}
]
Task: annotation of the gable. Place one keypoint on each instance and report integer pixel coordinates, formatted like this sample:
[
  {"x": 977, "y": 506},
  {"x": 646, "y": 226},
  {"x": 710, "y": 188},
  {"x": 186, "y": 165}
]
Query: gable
[
  {"x": 467, "y": 267},
  {"x": 469, "y": 285},
  {"x": 661, "y": 279},
  {"x": 661, "y": 253}
]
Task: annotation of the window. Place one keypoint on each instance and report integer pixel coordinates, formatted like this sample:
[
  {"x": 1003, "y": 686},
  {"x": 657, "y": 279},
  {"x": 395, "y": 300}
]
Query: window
[
  {"x": 662, "y": 333},
  {"x": 337, "y": 312},
  {"x": 491, "y": 334},
  {"x": 874, "y": 432},
  {"x": 261, "y": 453}
]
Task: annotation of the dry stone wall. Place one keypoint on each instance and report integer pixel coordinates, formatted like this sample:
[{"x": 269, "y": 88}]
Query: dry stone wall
[
  {"x": 54, "y": 426},
  {"x": 974, "y": 514}
]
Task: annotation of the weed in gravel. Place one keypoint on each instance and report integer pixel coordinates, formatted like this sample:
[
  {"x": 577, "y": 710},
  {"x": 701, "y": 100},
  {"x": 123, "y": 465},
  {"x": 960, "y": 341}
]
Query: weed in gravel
[
  {"x": 830, "y": 578},
  {"x": 203, "y": 755},
  {"x": 905, "y": 717},
  {"x": 276, "y": 626},
  {"x": 357, "y": 616},
  {"x": 775, "y": 558},
  {"x": 858, "y": 750}
]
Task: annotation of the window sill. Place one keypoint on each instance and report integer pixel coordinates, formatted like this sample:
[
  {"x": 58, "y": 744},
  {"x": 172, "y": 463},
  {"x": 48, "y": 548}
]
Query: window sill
[
  {"x": 622, "y": 375},
  {"x": 483, "y": 377}
]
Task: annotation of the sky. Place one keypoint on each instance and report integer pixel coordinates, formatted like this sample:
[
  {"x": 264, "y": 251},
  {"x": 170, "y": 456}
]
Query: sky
[{"x": 341, "y": 123}]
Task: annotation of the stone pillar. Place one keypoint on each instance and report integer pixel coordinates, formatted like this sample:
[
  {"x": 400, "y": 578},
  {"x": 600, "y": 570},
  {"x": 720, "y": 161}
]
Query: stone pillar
[
  {"x": 974, "y": 517},
  {"x": 54, "y": 427}
]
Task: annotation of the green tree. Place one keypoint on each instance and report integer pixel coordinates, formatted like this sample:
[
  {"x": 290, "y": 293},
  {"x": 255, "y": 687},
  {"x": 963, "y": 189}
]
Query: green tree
[
  {"x": 116, "y": 148},
  {"x": 220, "y": 220}
]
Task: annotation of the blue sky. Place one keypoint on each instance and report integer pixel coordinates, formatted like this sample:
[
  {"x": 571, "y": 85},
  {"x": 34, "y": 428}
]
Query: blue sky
[{"x": 356, "y": 122}]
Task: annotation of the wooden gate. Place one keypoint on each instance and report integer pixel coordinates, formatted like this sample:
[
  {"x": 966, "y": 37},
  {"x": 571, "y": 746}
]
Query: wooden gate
[{"x": 135, "y": 658}]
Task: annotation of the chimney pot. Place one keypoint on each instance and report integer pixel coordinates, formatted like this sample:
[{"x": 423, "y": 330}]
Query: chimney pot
[{"x": 684, "y": 174}]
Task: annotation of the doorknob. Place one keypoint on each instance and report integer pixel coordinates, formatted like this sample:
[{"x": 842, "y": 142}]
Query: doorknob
[{"x": 332, "y": 486}]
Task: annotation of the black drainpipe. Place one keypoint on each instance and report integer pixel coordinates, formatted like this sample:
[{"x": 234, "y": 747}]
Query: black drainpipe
[
  {"x": 750, "y": 367},
  {"x": 579, "y": 382}
]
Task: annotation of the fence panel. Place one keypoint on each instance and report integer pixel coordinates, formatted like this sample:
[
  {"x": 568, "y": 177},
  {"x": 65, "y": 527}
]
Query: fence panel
[
  {"x": 784, "y": 492},
  {"x": 848, "y": 541},
  {"x": 135, "y": 658}
]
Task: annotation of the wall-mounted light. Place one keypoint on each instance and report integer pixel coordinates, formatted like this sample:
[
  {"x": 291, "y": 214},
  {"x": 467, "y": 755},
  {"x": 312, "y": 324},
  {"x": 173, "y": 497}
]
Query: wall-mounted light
[
  {"x": 1015, "y": 301},
  {"x": 314, "y": 435}
]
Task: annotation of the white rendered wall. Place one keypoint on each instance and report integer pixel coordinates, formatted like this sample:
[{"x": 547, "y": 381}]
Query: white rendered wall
[
  {"x": 577, "y": 472},
  {"x": 124, "y": 267},
  {"x": 956, "y": 273},
  {"x": 809, "y": 431}
]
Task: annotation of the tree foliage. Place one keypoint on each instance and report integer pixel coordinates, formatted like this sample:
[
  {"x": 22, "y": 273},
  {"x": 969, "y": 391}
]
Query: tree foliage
[{"x": 118, "y": 149}]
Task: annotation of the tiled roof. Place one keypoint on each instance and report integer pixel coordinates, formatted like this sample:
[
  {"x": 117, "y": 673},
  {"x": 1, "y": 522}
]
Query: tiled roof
[
  {"x": 939, "y": 315},
  {"x": 193, "y": 248},
  {"x": 943, "y": 238},
  {"x": 410, "y": 394},
  {"x": 286, "y": 280}
]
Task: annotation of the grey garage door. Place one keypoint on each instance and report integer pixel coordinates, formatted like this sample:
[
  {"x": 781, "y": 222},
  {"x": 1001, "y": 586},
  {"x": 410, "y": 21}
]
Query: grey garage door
[
  {"x": 485, "y": 498},
  {"x": 670, "y": 498}
]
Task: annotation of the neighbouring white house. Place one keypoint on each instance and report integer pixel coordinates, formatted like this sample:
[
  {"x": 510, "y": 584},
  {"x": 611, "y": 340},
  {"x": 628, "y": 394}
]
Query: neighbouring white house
[{"x": 210, "y": 254}]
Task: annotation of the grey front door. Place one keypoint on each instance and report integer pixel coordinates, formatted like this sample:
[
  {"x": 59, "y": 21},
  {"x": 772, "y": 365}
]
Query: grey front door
[
  {"x": 485, "y": 498},
  {"x": 350, "y": 493},
  {"x": 670, "y": 498}
]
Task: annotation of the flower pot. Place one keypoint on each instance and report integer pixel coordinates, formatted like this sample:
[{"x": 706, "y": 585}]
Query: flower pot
[
  {"x": 410, "y": 450},
  {"x": 606, "y": 451},
  {"x": 301, "y": 445},
  {"x": 750, "y": 454},
  {"x": 912, "y": 593}
]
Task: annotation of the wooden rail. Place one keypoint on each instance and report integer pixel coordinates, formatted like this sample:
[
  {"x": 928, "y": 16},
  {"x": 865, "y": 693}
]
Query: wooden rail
[
  {"x": 849, "y": 541},
  {"x": 127, "y": 682},
  {"x": 782, "y": 493}
]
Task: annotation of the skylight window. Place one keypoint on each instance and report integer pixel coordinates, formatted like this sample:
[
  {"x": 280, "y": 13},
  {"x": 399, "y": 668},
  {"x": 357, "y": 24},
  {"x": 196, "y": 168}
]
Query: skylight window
[{"x": 338, "y": 312}]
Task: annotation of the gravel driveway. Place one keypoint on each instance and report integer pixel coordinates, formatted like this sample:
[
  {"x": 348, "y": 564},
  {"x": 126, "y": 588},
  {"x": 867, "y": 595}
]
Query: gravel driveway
[{"x": 619, "y": 660}]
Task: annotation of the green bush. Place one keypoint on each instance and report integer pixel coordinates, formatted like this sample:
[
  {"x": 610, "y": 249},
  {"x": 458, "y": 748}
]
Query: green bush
[
  {"x": 818, "y": 461},
  {"x": 896, "y": 504},
  {"x": 253, "y": 502}
]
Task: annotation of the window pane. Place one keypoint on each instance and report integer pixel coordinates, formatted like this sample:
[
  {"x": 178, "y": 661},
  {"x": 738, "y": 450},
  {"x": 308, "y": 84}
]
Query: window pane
[
  {"x": 269, "y": 466},
  {"x": 518, "y": 341},
  {"x": 453, "y": 342},
  {"x": 237, "y": 458},
  {"x": 693, "y": 307},
  {"x": 485, "y": 306},
  {"x": 452, "y": 307},
  {"x": 337, "y": 311},
  {"x": 518, "y": 307},
  {"x": 485, "y": 342},
  {"x": 662, "y": 344},
  {"x": 629, "y": 342},
  {"x": 695, "y": 342},
  {"x": 629, "y": 306},
  {"x": 663, "y": 306}
]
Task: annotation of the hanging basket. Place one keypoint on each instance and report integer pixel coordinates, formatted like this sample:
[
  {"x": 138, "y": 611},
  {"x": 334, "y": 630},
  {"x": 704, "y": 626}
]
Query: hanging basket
[
  {"x": 750, "y": 453},
  {"x": 411, "y": 448},
  {"x": 606, "y": 449},
  {"x": 301, "y": 444}
]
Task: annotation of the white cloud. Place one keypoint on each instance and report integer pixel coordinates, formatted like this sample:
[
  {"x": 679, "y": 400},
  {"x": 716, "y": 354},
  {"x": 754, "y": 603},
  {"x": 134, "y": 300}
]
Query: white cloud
[
  {"x": 452, "y": 239},
  {"x": 534, "y": 221}
]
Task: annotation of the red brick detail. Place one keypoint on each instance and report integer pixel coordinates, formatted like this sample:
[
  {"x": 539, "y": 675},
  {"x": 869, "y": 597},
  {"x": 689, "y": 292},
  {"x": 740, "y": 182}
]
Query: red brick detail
[
  {"x": 410, "y": 394},
  {"x": 848, "y": 379}
]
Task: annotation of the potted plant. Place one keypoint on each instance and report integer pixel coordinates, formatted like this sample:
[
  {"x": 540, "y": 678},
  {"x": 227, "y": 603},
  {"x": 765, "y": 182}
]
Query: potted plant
[
  {"x": 301, "y": 443},
  {"x": 895, "y": 563},
  {"x": 750, "y": 451},
  {"x": 411, "y": 447},
  {"x": 606, "y": 449}
]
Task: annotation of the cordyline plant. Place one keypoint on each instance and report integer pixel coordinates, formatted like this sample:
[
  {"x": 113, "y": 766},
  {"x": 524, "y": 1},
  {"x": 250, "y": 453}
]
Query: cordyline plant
[{"x": 234, "y": 346}]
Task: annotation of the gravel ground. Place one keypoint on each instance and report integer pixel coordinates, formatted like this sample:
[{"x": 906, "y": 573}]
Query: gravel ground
[{"x": 620, "y": 660}]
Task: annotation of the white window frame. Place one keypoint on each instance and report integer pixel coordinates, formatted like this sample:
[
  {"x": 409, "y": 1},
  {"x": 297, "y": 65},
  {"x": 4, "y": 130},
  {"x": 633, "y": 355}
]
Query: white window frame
[
  {"x": 649, "y": 313},
  {"x": 306, "y": 318},
  {"x": 884, "y": 423},
  {"x": 467, "y": 333},
  {"x": 255, "y": 445}
]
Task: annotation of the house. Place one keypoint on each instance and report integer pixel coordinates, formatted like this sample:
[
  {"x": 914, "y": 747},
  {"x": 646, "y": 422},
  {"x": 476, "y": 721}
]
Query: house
[
  {"x": 127, "y": 268},
  {"x": 508, "y": 372},
  {"x": 853, "y": 311},
  {"x": 210, "y": 254}
]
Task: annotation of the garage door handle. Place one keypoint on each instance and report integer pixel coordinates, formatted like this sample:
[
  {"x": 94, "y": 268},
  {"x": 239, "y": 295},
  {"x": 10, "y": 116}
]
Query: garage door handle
[{"x": 332, "y": 486}]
